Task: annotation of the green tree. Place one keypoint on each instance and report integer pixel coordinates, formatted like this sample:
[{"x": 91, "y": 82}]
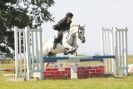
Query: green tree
[{"x": 21, "y": 13}]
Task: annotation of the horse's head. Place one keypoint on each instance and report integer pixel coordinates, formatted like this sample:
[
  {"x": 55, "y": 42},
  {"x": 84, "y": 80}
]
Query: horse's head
[{"x": 79, "y": 31}]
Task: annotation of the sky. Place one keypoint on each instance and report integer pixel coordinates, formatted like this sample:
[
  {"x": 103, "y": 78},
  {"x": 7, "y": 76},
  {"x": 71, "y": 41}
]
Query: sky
[{"x": 95, "y": 14}]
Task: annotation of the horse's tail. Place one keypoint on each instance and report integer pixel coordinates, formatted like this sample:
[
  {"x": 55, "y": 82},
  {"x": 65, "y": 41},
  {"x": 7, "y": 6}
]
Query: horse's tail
[{"x": 44, "y": 41}]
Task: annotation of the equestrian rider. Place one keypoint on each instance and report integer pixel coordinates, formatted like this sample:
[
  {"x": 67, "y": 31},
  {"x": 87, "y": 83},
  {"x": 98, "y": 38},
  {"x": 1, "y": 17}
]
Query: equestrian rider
[{"x": 61, "y": 26}]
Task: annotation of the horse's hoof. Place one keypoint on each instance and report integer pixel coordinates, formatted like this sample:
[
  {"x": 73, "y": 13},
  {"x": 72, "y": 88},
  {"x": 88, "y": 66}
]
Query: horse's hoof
[
  {"x": 65, "y": 53},
  {"x": 71, "y": 52}
]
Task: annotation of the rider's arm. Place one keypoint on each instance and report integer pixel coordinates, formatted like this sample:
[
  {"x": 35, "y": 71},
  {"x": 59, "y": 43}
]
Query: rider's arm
[{"x": 68, "y": 25}]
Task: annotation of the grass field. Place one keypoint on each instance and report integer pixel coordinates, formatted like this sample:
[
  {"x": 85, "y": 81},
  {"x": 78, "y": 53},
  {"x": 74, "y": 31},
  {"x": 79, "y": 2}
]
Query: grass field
[
  {"x": 93, "y": 83},
  {"x": 90, "y": 83}
]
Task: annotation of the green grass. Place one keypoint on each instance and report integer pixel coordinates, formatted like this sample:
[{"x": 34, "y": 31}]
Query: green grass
[
  {"x": 7, "y": 65},
  {"x": 90, "y": 83},
  {"x": 1, "y": 73}
]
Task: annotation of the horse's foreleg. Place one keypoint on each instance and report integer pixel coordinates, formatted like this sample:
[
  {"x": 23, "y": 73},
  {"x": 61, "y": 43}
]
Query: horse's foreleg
[
  {"x": 76, "y": 46},
  {"x": 69, "y": 47},
  {"x": 74, "y": 51}
]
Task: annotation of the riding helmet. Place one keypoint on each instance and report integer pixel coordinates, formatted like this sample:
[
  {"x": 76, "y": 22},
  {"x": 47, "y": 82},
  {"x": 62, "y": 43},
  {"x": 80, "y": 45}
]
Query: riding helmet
[{"x": 69, "y": 14}]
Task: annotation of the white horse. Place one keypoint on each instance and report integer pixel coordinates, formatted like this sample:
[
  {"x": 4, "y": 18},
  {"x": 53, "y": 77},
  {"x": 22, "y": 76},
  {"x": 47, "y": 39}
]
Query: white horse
[{"x": 69, "y": 43}]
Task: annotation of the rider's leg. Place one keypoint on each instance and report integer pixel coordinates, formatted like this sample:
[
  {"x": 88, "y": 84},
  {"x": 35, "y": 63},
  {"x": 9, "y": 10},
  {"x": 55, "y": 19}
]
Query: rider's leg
[
  {"x": 55, "y": 39},
  {"x": 58, "y": 39},
  {"x": 55, "y": 43}
]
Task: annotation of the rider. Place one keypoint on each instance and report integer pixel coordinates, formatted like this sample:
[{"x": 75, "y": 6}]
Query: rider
[{"x": 61, "y": 26}]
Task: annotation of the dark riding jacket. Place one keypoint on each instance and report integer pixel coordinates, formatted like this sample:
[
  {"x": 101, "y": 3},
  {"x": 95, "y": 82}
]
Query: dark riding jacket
[{"x": 62, "y": 25}]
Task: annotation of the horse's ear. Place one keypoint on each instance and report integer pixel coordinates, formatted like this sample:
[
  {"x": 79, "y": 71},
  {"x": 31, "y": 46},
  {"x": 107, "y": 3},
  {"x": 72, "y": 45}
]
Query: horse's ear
[
  {"x": 84, "y": 25},
  {"x": 79, "y": 25}
]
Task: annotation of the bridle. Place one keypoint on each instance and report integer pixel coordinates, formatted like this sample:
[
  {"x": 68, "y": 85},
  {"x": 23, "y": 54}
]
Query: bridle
[{"x": 79, "y": 36}]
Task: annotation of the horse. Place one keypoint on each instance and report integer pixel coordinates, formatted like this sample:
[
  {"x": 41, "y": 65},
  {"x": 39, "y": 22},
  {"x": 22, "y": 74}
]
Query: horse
[{"x": 69, "y": 42}]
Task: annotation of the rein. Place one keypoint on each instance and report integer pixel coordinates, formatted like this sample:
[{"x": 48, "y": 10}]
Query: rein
[{"x": 74, "y": 36}]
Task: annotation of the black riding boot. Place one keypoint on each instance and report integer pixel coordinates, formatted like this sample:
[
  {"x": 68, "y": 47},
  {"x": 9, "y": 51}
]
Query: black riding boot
[
  {"x": 55, "y": 43},
  {"x": 60, "y": 37},
  {"x": 58, "y": 40}
]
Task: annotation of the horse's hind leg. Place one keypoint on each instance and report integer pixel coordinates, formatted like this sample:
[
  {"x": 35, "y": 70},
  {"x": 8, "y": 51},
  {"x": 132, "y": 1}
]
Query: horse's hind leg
[
  {"x": 49, "y": 54},
  {"x": 47, "y": 64}
]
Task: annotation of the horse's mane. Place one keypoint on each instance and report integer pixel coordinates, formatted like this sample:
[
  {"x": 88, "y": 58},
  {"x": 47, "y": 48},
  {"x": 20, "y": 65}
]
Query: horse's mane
[{"x": 74, "y": 23}]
